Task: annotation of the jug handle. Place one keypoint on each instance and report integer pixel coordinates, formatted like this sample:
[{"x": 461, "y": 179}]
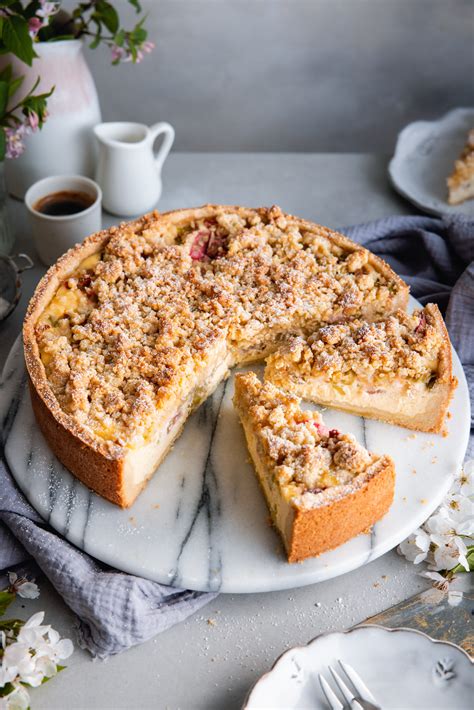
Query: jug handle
[{"x": 156, "y": 130}]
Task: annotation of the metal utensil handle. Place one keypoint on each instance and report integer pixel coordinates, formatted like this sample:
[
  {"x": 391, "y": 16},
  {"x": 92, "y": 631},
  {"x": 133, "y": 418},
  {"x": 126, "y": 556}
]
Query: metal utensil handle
[{"x": 29, "y": 262}]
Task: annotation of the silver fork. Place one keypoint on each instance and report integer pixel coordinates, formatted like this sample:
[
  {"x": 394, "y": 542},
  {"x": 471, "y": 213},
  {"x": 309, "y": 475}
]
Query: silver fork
[{"x": 362, "y": 699}]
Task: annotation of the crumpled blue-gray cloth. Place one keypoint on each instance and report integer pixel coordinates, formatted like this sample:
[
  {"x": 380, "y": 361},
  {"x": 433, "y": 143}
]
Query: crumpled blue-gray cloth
[{"x": 116, "y": 611}]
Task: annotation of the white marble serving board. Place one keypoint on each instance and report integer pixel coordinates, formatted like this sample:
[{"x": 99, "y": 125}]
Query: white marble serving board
[
  {"x": 424, "y": 157},
  {"x": 202, "y": 523}
]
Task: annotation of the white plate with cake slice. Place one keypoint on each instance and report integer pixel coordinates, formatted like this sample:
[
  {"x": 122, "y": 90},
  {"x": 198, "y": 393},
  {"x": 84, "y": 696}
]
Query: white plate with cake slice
[
  {"x": 425, "y": 157},
  {"x": 202, "y": 521}
]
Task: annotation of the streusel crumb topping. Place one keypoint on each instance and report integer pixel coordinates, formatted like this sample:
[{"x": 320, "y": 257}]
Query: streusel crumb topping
[
  {"x": 464, "y": 167},
  {"x": 134, "y": 325},
  {"x": 306, "y": 456},
  {"x": 401, "y": 346}
]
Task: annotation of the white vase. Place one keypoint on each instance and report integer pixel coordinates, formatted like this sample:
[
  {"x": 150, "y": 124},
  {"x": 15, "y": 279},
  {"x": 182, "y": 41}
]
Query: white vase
[{"x": 65, "y": 144}]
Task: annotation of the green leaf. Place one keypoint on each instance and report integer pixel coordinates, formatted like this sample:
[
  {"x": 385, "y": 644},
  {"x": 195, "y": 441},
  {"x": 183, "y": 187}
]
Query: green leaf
[
  {"x": 142, "y": 21},
  {"x": 15, "y": 85},
  {"x": 133, "y": 51},
  {"x": 136, "y": 5},
  {"x": 470, "y": 562},
  {"x": 17, "y": 39},
  {"x": 33, "y": 88},
  {"x": 98, "y": 35},
  {"x": 58, "y": 670},
  {"x": 6, "y": 690},
  {"x": 11, "y": 625},
  {"x": 36, "y": 104},
  {"x": 6, "y": 597},
  {"x": 6, "y": 74},
  {"x": 3, "y": 97},
  {"x": 96, "y": 41},
  {"x": 29, "y": 95},
  {"x": 3, "y": 143},
  {"x": 119, "y": 38},
  {"x": 108, "y": 14},
  {"x": 138, "y": 35},
  {"x": 61, "y": 38}
]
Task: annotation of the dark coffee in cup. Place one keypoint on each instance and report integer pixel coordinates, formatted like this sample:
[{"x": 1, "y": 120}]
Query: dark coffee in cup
[{"x": 61, "y": 204}]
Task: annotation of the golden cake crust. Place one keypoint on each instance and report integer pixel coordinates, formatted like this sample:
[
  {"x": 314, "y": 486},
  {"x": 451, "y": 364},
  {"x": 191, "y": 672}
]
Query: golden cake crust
[
  {"x": 89, "y": 459},
  {"x": 100, "y": 463},
  {"x": 325, "y": 528}
]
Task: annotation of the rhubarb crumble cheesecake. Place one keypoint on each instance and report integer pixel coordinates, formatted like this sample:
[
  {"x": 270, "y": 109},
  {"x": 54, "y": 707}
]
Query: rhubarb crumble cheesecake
[
  {"x": 461, "y": 181},
  {"x": 321, "y": 486},
  {"x": 130, "y": 331},
  {"x": 398, "y": 369}
]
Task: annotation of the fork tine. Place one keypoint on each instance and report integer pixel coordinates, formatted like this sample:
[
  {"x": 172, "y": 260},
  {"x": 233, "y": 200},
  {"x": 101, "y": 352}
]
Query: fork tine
[
  {"x": 329, "y": 694},
  {"x": 348, "y": 694},
  {"x": 357, "y": 682}
]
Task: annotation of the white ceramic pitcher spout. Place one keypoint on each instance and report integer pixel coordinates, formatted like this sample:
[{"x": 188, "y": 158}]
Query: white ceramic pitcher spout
[{"x": 128, "y": 169}]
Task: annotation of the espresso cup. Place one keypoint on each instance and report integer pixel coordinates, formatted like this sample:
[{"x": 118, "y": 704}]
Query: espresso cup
[{"x": 54, "y": 234}]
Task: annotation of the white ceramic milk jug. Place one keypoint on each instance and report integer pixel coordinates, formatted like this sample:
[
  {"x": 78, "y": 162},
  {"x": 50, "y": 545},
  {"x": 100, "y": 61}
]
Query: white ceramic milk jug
[{"x": 128, "y": 170}]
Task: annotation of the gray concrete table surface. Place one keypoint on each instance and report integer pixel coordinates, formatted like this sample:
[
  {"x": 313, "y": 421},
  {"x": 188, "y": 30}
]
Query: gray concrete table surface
[{"x": 212, "y": 659}]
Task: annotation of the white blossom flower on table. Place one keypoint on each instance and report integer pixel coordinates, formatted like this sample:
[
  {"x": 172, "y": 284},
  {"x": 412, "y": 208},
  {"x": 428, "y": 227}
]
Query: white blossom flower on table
[
  {"x": 30, "y": 652},
  {"x": 17, "y": 699},
  {"x": 35, "y": 654},
  {"x": 460, "y": 510},
  {"x": 446, "y": 530},
  {"x": 450, "y": 554},
  {"x": 416, "y": 547},
  {"x": 22, "y": 587},
  {"x": 446, "y": 540},
  {"x": 442, "y": 583},
  {"x": 464, "y": 483}
]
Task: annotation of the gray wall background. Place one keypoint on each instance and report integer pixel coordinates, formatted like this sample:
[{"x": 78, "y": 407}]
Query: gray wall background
[{"x": 293, "y": 75}]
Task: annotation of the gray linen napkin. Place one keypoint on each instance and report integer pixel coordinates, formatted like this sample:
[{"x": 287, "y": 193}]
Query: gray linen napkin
[{"x": 115, "y": 610}]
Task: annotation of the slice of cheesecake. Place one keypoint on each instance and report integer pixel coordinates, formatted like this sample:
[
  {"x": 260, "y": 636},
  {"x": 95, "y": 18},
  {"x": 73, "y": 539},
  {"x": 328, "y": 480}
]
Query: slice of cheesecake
[
  {"x": 321, "y": 486},
  {"x": 398, "y": 370},
  {"x": 461, "y": 181}
]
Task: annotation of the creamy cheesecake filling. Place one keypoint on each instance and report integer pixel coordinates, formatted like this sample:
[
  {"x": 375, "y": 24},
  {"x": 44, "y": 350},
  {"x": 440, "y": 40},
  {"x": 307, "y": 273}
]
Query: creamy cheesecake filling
[
  {"x": 141, "y": 461},
  {"x": 404, "y": 402},
  {"x": 281, "y": 509}
]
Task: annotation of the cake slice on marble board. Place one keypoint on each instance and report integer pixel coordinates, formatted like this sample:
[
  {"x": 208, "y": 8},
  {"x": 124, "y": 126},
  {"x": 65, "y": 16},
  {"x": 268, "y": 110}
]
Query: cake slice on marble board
[{"x": 321, "y": 486}]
